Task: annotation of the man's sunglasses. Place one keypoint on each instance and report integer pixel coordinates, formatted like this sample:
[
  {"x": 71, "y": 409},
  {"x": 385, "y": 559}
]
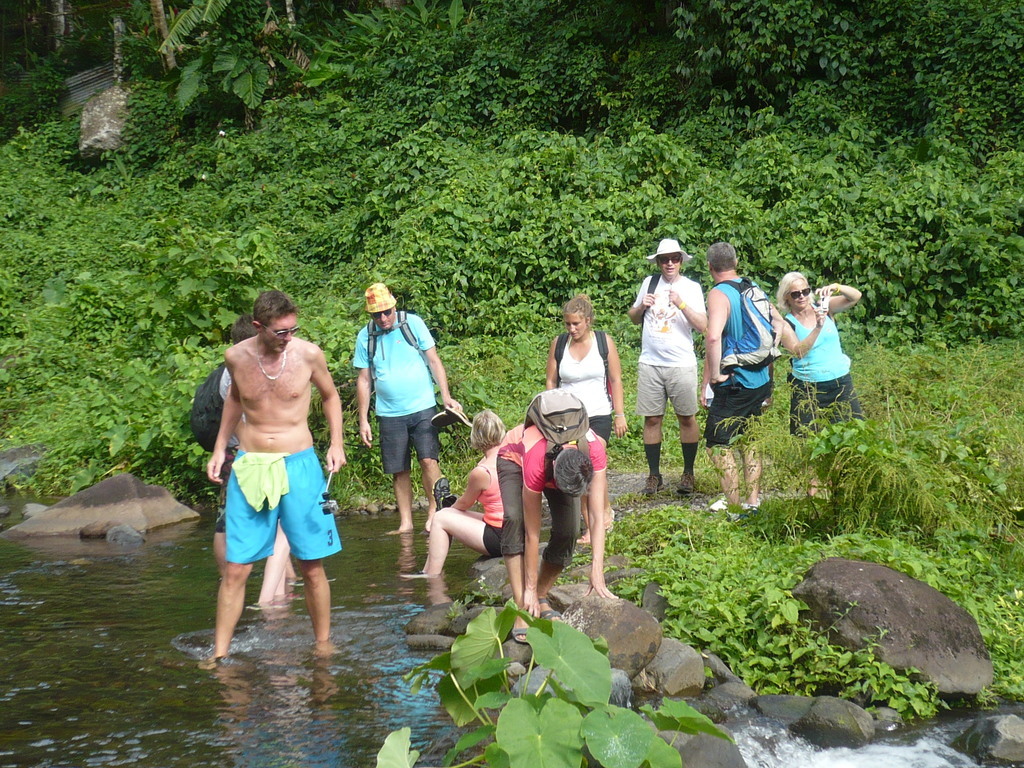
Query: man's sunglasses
[
  {"x": 674, "y": 258},
  {"x": 382, "y": 313},
  {"x": 798, "y": 294},
  {"x": 284, "y": 332}
]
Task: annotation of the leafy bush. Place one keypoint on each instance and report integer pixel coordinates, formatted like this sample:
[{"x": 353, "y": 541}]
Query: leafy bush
[{"x": 568, "y": 716}]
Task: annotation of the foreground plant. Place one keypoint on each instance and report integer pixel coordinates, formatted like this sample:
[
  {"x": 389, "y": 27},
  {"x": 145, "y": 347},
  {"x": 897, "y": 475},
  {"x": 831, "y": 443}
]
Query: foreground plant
[{"x": 567, "y": 722}]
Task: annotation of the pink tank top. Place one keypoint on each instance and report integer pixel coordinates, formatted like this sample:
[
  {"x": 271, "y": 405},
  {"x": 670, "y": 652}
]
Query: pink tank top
[{"x": 490, "y": 497}]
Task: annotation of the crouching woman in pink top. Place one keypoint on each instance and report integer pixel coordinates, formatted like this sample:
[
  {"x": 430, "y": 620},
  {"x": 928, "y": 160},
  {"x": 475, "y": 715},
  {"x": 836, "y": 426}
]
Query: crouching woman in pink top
[
  {"x": 525, "y": 474},
  {"x": 480, "y": 531}
]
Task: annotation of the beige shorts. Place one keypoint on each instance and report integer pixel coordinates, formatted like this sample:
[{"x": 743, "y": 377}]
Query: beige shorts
[{"x": 656, "y": 385}]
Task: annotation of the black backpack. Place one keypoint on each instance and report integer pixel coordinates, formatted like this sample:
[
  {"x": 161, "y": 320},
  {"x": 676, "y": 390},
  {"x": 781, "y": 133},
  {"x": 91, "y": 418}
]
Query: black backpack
[{"x": 207, "y": 407}]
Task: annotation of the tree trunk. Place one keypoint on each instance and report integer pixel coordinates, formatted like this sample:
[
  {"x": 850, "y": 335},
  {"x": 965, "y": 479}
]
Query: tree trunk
[
  {"x": 59, "y": 13},
  {"x": 393, "y": 4},
  {"x": 156, "y": 7}
]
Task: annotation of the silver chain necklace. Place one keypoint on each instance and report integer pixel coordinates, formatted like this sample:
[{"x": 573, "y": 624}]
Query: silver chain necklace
[{"x": 284, "y": 361}]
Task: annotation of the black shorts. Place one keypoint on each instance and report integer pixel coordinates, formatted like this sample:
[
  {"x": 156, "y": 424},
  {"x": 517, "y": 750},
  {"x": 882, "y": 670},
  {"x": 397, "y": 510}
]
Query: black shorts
[
  {"x": 398, "y": 436},
  {"x": 731, "y": 411},
  {"x": 602, "y": 426},
  {"x": 811, "y": 403},
  {"x": 492, "y": 540}
]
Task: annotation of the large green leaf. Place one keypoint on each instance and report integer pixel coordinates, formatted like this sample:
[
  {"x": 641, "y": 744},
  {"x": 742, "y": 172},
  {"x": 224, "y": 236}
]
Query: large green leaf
[
  {"x": 574, "y": 660},
  {"x": 547, "y": 739},
  {"x": 663, "y": 755},
  {"x": 461, "y": 702},
  {"x": 618, "y": 738},
  {"x": 482, "y": 642},
  {"x": 675, "y": 715},
  {"x": 469, "y": 740},
  {"x": 396, "y": 753}
]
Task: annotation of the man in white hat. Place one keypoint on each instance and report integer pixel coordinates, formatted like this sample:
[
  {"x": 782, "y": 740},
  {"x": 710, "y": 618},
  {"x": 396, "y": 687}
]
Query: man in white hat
[
  {"x": 398, "y": 361},
  {"x": 671, "y": 307}
]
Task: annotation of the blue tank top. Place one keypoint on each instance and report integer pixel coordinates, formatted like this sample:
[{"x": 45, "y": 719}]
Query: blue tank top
[{"x": 825, "y": 360}]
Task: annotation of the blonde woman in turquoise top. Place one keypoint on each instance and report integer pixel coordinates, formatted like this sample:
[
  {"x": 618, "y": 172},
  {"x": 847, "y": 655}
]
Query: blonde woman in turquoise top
[{"x": 821, "y": 385}]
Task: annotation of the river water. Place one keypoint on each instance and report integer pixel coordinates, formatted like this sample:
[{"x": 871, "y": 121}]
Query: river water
[{"x": 99, "y": 651}]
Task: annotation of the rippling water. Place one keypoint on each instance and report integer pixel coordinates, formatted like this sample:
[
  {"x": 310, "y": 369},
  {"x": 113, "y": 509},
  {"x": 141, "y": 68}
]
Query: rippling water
[{"x": 98, "y": 651}]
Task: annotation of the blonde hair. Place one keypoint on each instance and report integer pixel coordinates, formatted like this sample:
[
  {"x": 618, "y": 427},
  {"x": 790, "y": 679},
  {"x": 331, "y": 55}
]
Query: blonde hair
[
  {"x": 785, "y": 286},
  {"x": 488, "y": 431},
  {"x": 579, "y": 305}
]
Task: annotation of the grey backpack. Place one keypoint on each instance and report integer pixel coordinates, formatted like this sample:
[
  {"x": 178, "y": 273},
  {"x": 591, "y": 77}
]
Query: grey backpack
[{"x": 560, "y": 417}]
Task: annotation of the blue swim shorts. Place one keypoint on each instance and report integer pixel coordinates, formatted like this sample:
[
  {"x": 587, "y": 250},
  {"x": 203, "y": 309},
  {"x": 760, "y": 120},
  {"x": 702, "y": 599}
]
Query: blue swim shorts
[{"x": 311, "y": 534}]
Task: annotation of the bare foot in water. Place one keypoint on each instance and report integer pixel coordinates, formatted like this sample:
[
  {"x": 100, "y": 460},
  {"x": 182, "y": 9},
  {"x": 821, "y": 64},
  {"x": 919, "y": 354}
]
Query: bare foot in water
[
  {"x": 399, "y": 530},
  {"x": 325, "y": 649},
  {"x": 210, "y": 663},
  {"x": 420, "y": 575}
]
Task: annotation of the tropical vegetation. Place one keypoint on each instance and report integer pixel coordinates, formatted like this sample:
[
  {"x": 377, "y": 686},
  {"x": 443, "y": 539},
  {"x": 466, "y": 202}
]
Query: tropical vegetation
[{"x": 489, "y": 160}]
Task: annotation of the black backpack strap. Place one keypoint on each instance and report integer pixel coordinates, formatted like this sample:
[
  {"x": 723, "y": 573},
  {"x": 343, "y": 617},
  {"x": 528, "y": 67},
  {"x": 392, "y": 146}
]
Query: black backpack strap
[
  {"x": 560, "y": 344},
  {"x": 602, "y": 346},
  {"x": 653, "y": 285}
]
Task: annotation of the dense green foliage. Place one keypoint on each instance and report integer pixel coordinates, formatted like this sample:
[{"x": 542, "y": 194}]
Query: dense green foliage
[
  {"x": 491, "y": 159},
  {"x": 567, "y": 716}
]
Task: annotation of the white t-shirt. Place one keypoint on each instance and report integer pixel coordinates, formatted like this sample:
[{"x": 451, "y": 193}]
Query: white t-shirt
[
  {"x": 667, "y": 339},
  {"x": 585, "y": 379}
]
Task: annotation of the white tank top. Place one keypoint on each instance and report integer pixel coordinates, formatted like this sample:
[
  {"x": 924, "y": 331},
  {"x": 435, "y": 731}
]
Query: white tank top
[{"x": 585, "y": 379}]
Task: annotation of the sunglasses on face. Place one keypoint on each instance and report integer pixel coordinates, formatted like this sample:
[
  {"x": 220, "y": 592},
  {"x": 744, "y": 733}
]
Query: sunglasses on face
[
  {"x": 674, "y": 258},
  {"x": 798, "y": 294},
  {"x": 284, "y": 332},
  {"x": 382, "y": 313}
]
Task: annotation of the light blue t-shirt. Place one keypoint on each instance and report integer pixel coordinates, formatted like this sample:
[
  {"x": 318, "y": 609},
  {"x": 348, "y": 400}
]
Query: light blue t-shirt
[
  {"x": 734, "y": 330},
  {"x": 826, "y": 360},
  {"x": 403, "y": 381}
]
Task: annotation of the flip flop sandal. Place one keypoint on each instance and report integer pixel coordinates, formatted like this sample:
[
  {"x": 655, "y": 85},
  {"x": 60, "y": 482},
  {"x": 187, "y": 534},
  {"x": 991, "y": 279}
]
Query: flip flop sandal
[{"x": 549, "y": 613}]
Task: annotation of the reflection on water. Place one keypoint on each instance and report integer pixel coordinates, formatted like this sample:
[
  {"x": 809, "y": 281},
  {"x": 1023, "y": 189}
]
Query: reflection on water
[{"x": 99, "y": 649}]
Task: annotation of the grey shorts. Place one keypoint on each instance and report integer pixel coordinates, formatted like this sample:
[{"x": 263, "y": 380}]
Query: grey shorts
[
  {"x": 399, "y": 434},
  {"x": 565, "y": 517},
  {"x": 657, "y": 385}
]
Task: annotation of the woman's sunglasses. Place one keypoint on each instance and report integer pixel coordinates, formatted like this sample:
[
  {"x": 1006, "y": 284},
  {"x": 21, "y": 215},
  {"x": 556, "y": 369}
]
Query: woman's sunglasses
[{"x": 798, "y": 294}]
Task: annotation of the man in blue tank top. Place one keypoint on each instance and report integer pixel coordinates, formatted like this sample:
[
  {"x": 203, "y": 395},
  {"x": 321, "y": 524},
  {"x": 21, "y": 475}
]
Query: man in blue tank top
[{"x": 738, "y": 393}]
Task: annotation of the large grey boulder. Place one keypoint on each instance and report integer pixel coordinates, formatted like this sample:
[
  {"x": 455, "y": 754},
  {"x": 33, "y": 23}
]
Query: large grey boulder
[
  {"x": 633, "y": 635},
  {"x": 703, "y": 750},
  {"x": 19, "y": 461},
  {"x": 909, "y": 623},
  {"x": 995, "y": 739},
  {"x": 834, "y": 722},
  {"x": 103, "y": 121},
  {"x": 434, "y": 620},
  {"x": 119, "y": 500},
  {"x": 676, "y": 670}
]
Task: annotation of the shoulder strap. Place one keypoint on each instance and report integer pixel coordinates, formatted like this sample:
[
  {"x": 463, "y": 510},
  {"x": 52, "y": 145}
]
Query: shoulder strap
[
  {"x": 560, "y": 344},
  {"x": 602, "y": 346},
  {"x": 403, "y": 326},
  {"x": 652, "y": 285}
]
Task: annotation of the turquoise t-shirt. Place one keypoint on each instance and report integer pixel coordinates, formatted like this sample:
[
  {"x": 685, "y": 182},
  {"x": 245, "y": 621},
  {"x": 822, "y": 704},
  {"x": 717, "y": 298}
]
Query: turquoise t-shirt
[
  {"x": 403, "y": 381},
  {"x": 825, "y": 361},
  {"x": 734, "y": 330}
]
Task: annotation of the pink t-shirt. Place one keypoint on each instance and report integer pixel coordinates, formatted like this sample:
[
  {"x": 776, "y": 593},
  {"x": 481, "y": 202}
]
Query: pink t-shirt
[{"x": 526, "y": 447}]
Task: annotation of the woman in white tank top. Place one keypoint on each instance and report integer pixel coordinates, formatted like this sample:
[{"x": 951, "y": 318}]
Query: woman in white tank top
[{"x": 575, "y": 363}]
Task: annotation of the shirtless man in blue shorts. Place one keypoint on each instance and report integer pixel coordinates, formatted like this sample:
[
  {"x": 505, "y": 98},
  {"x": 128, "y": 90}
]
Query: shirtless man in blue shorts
[{"x": 277, "y": 475}]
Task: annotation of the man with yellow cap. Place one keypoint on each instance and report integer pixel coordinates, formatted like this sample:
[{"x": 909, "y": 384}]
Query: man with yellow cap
[{"x": 398, "y": 361}]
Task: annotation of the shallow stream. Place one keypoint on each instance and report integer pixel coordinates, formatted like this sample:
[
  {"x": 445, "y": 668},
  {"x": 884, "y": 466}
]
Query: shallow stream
[{"x": 99, "y": 651}]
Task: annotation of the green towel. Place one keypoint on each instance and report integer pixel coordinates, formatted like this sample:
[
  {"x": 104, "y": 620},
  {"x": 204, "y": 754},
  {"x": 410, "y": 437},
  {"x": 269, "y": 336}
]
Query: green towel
[{"x": 262, "y": 477}]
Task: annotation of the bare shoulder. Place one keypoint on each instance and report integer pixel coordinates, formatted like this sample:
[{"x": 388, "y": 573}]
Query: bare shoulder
[
  {"x": 239, "y": 351},
  {"x": 309, "y": 351}
]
